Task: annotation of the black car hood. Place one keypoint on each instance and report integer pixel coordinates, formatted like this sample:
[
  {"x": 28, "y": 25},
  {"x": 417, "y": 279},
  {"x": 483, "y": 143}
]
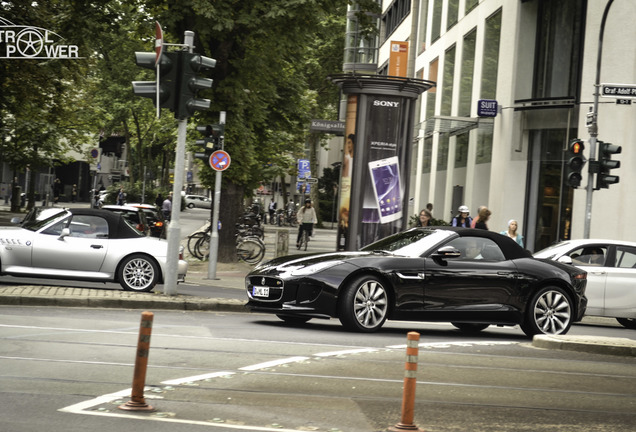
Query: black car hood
[{"x": 297, "y": 261}]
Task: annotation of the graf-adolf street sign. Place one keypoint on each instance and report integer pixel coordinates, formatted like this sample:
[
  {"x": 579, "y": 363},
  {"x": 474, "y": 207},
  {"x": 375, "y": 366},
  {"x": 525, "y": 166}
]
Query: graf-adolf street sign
[
  {"x": 620, "y": 91},
  {"x": 220, "y": 160}
]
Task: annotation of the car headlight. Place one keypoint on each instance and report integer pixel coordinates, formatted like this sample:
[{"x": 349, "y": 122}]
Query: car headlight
[{"x": 314, "y": 268}]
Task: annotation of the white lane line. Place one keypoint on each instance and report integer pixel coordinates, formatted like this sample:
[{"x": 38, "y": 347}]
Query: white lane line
[
  {"x": 179, "y": 381},
  {"x": 454, "y": 344},
  {"x": 273, "y": 363},
  {"x": 345, "y": 352}
]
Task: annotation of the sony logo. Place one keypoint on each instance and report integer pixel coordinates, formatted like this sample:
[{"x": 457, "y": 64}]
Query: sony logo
[{"x": 386, "y": 103}]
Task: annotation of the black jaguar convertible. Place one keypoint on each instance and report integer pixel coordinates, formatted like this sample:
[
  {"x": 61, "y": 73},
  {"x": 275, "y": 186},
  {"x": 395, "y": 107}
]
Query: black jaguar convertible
[{"x": 468, "y": 277}]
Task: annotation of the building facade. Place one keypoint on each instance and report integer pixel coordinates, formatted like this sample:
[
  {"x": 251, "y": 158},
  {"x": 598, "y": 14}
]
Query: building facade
[{"x": 538, "y": 59}]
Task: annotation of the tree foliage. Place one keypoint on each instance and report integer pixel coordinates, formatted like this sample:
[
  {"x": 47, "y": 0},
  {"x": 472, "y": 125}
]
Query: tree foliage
[{"x": 273, "y": 58}]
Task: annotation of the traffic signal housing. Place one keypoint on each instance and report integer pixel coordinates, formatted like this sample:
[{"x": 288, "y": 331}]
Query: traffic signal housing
[
  {"x": 190, "y": 83},
  {"x": 210, "y": 142},
  {"x": 605, "y": 164},
  {"x": 574, "y": 162},
  {"x": 167, "y": 79}
]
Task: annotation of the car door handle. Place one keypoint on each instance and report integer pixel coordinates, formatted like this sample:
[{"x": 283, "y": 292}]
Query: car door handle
[
  {"x": 97, "y": 246},
  {"x": 419, "y": 276}
]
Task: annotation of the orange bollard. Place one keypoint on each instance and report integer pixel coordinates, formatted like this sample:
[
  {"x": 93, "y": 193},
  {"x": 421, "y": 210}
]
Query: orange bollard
[
  {"x": 137, "y": 401},
  {"x": 410, "y": 381}
]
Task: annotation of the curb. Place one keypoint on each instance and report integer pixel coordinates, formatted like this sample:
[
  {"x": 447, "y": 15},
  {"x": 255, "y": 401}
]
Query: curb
[{"x": 588, "y": 344}]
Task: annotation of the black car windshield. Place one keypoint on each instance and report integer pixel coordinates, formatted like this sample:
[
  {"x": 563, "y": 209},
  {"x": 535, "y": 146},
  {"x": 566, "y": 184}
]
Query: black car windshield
[{"x": 414, "y": 242}]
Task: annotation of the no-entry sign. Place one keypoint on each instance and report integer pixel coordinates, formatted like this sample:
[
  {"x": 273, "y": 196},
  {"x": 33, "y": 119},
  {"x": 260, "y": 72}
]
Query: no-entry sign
[{"x": 220, "y": 160}]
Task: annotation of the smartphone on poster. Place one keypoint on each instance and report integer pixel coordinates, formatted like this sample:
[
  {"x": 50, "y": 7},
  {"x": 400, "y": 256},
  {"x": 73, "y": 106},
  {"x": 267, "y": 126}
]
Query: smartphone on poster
[{"x": 385, "y": 178}]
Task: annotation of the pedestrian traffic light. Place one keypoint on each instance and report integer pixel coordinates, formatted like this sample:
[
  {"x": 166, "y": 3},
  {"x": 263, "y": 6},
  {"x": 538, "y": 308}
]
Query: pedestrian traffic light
[
  {"x": 189, "y": 83},
  {"x": 605, "y": 152},
  {"x": 574, "y": 162},
  {"x": 166, "y": 84}
]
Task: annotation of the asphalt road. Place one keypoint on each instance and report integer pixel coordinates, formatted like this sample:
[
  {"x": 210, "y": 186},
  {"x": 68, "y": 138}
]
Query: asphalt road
[{"x": 69, "y": 370}]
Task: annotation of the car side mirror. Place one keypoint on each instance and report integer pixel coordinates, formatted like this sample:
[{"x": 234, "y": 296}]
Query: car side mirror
[
  {"x": 65, "y": 232},
  {"x": 16, "y": 220},
  {"x": 446, "y": 252},
  {"x": 565, "y": 259}
]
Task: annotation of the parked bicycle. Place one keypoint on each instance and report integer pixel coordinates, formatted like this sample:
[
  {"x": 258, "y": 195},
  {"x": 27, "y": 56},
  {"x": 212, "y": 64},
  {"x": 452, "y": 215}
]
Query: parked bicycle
[{"x": 249, "y": 248}]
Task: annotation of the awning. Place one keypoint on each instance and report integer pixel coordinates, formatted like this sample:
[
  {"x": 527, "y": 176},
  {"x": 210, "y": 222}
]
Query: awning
[{"x": 453, "y": 125}]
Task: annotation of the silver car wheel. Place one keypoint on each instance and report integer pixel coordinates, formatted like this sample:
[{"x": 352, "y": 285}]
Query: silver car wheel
[
  {"x": 552, "y": 312},
  {"x": 138, "y": 273},
  {"x": 370, "y": 304}
]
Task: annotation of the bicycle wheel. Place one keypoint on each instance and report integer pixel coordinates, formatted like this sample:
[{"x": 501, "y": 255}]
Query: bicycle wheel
[
  {"x": 203, "y": 248},
  {"x": 305, "y": 239},
  {"x": 192, "y": 241},
  {"x": 250, "y": 250}
]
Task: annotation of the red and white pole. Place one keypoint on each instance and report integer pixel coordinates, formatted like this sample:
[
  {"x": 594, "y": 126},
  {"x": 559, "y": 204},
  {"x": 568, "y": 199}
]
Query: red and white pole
[{"x": 410, "y": 381}]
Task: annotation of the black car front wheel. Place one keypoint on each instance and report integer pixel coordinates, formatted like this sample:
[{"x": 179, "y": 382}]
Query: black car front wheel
[
  {"x": 138, "y": 272},
  {"x": 364, "y": 305},
  {"x": 549, "y": 312}
]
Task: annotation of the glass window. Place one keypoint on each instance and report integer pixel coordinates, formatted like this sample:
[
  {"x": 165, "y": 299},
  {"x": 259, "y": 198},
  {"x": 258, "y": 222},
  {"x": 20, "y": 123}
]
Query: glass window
[
  {"x": 421, "y": 31},
  {"x": 589, "y": 256},
  {"x": 431, "y": 94},
  {"x": 461, "y": 150},
  {"x": 442, "y": 152},
  {"x": 558, "y": 58},
  {"x": 490, "y": 60},
  {"x": 89, "y": 227},
  {"x": 453, "y": 10},
  {"x": 477, "y": 248},
  {"x": 468, "y": 67},
  {"x": 625, "y": 257},
  {"x": 428, "y": 154},
  {"x": 56, "y": 229},
  {"x": 436, "y": 24},
  {"x": 447, "y": 86},
  {"x": 484, "y": 145},
  {"x": 470, "y": 5}
]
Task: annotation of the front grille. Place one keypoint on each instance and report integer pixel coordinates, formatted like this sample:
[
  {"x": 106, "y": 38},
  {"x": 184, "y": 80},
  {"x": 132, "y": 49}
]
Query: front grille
[{"x": 274, "y": 288}]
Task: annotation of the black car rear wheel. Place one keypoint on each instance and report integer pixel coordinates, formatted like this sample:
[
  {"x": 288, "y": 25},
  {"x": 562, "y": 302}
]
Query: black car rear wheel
[
  {"x": 549, "y": 312},
  {"x": 364, "y": 305},
  {"x": 138, "y": 272}
]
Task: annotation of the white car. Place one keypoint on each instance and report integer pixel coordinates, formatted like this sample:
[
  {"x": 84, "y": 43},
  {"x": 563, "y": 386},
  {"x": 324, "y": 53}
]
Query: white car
[
  {"x": 86, "y": 244},
  {"x": 611, "y": 275},
  {"x": 200, "y": 201}
]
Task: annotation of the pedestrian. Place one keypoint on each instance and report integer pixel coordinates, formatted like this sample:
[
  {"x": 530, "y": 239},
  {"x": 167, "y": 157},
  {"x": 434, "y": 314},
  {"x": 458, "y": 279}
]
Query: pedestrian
[
  {"x": 348, "y": 155},
  {"x": 57, "y": 190},
  {"x": 272, "y": 209},
  {"x": 159, "y": 200},
  {"x": 424, "y": 218},
  {"x": 166, "y": 207},
  {"x": 74, "y": 193},
  {"x": 512, "y": 232},
  {"x": 484, "y": 215},
  {"x": 476, "y": 218},
  {"x": 121, "y": 196},
  {"x": 306, "y": 219},
  {"x": 463, "y": 218}
]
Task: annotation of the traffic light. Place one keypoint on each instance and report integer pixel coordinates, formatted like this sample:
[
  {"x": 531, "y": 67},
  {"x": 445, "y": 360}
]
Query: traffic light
[
  {"x": 605, "y": 152},
  {"x": 168, "y": 68},
  {"x": 189, "y": 83},
  {"x": 210, "y": 142},
  {"x": 574, "y": 162}
]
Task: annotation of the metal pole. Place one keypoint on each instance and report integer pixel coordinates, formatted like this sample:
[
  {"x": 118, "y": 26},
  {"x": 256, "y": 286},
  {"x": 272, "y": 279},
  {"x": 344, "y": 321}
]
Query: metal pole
[
  {"x": 593, "y": 128},
  {"x": 174, "y": 229},
  {"x": 214, "y": 233}
]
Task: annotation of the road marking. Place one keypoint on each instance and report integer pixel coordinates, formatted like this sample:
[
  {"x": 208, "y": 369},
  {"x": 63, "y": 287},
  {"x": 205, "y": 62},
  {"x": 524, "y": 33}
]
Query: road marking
[
  {"x": 345, "y": 352},
  {"x": 273, "y": 363},
  {"x": 179, "y": 381}
]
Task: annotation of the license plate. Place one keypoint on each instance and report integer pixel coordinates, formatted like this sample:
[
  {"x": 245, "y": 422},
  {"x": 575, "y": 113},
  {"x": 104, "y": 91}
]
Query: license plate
[{"x": 259, "y": 291}]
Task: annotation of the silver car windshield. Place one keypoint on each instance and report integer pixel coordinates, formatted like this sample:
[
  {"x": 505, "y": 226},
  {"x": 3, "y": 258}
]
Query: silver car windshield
[
  {"x": 413, "y": 243},
  {"x": 36, "y": 223}
]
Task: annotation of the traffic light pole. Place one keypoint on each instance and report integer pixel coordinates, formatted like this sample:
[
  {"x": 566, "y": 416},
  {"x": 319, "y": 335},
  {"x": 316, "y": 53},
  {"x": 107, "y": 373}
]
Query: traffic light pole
[
  {"x": 174, "y": 227},
  {"x": 593, "y": 128}
]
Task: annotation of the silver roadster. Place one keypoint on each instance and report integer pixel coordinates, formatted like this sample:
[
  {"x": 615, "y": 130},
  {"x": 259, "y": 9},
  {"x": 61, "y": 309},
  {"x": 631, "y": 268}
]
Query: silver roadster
[{"x": 85, "y": 244}]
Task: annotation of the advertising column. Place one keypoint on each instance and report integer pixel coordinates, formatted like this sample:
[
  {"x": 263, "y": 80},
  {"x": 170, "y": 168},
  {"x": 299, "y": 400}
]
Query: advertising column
[{"x": 376, "y": 157}]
